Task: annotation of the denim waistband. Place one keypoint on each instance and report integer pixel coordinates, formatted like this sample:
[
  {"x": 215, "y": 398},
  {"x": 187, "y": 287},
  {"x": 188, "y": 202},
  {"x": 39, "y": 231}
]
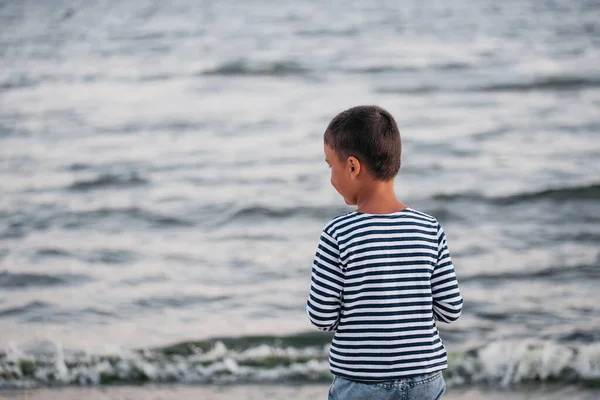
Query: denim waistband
[{"x": 403, "y": 382}]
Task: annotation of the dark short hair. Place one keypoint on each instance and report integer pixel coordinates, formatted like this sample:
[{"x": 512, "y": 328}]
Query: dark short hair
[{"x": 370, "y": 134}]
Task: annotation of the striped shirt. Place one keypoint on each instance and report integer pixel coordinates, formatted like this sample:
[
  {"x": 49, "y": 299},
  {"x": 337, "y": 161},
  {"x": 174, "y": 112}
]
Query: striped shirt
[{"x": 381, "y": 282}]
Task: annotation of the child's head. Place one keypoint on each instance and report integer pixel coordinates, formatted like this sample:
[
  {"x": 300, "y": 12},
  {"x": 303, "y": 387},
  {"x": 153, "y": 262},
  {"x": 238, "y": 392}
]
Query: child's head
[{"x": 362, "y": 145}]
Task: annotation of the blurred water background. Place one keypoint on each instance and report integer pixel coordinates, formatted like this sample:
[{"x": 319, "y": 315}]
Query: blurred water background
[{"x": 163, "y": 184}]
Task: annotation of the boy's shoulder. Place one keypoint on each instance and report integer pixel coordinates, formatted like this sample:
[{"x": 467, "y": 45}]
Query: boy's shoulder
[
  {"x": 345, "y": 220},
  {"x": 423, "y": 216},
  {"x": 339, "y": 221}
]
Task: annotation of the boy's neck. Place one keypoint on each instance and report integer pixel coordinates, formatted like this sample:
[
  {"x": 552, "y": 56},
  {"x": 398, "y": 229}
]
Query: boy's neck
[{"x": 379, "y": 198}]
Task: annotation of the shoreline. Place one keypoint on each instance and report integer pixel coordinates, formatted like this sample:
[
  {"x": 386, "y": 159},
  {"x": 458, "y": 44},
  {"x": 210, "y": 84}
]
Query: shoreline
[{"x": 278, "y": 391}]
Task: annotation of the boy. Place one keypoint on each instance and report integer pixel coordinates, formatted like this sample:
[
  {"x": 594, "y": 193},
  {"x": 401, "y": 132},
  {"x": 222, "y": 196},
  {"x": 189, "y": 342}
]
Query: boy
[{"x": 382, "y": 275}]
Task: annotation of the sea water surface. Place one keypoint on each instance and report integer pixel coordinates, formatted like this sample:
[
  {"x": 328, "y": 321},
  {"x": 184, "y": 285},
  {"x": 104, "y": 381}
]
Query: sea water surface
[{"x": 163, "y": 184}]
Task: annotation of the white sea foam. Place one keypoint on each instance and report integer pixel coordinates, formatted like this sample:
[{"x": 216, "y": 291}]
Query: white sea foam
[{"x": 502, "y": 362}]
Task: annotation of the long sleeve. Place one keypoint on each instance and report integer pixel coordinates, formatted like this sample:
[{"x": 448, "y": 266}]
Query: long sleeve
[
  {"x": 327, "y": 280},
  {"x": 447, "y": 301}
]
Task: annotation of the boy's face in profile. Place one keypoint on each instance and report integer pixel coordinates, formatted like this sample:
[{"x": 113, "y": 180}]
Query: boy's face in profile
[{"x": 342, "y": 176}]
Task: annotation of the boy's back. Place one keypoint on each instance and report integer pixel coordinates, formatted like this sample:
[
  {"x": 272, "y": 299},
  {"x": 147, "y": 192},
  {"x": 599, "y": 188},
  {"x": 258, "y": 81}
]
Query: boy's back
[
  {"x": 379, "y": 281},
  {"x": 382, "y": 275}
]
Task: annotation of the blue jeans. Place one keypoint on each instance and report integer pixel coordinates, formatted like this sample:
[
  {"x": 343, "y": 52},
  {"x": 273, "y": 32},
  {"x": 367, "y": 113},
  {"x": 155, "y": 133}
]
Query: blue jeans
[{"x": 422, "y": 387}]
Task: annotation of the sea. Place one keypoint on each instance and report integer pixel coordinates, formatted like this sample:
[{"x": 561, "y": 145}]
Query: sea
[{"x": 163, "y": 186}]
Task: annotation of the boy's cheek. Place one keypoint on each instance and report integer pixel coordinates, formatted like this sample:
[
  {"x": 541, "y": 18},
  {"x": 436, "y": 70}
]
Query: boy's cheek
[
  {"x": 337, "y": 188},
  {"x": 334, "y": 183}
]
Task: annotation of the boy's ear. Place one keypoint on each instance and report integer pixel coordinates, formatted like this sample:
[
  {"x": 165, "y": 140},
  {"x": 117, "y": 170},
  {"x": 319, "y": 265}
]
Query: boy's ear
[{"x": 353, "y": 166}]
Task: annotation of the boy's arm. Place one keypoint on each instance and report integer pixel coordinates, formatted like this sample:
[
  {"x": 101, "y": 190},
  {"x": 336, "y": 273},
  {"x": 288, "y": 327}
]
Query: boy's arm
[
  {"x": 326, "y": 284},
  {"x": 447, "y": 301}
]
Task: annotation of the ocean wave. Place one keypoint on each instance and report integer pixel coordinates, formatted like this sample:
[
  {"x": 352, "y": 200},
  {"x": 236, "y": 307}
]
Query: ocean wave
[
  {"x": 386, "y": 68},
  {"x": 109, "y": 181},
  {"x": 591, "y": 237},
  {"x": 13, "y": 130},
  {"x": 582, "y": 271},
  {"x": 490, "y": 134},
  {"x": 377, "y": 69},
  {"x": 452, "y": 66},
  {"x": 176, "y": 301},
  {"x": 14, "y": 280},
  {"x": 21, "y": 224},
  {"x": 109, "y": 256},
  {"x": 296, "y": 358},
  {"x": 418, "y": 89},
  {"x": 244, "y": 68},
  {"x": 589, "y": 192},
  {"x": 579, "y": 335},
  {"x": 263, "y": 212},
  {"x": 548, "y": 83},
  {"x": 173, "y": 125},
  {"x": 25, "y": 81},
  {"x": 22, "y": 81},
  {"x": 97, "y": 255},
  {"x": 21, "y": 310},
  {"x": 52, "y": 252},
  {"x": 327, "y": 32}
]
